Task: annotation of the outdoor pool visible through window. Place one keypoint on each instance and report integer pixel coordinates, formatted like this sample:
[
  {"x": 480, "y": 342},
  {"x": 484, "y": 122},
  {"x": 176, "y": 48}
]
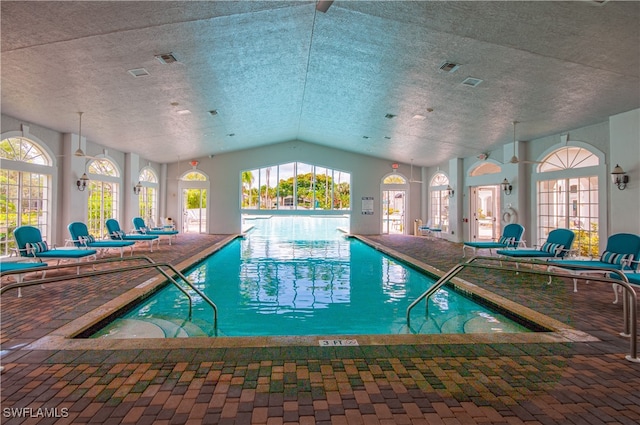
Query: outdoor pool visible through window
[{"x": 302, "y": 276}]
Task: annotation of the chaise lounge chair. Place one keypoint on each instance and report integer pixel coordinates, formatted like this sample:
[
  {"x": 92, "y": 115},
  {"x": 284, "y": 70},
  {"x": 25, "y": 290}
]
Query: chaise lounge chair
[
  {"x": 25, "y": 268},
  {"x": 31, "y": 245},
  {"x": 142, "y": 228},
  {"x": 622, "y": 251},
  {"x": 557, "y": 246},
  {"x": 82, "y": 239},
  {"x": 429, "y": 229},
  {"x": 511, "y": 238},
  {"x": 116, "y": 233}
]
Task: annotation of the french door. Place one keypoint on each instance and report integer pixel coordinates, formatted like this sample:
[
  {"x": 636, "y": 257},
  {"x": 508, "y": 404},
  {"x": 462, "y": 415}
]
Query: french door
[{"x": 485, "y": 208}]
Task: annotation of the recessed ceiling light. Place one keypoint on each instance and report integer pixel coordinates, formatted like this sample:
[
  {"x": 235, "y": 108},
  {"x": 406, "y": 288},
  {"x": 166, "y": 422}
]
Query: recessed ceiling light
[
  {"x": 213, "y": 112},
  {"x": 365, "y": 137},
  {"x": 138, "y": 72},
  {"x": 166, "y": 58},
  {"x": 183, "y": 112},
  {"x": 390, "y": 116},
  {"x": 471, "y": 82},
  {"x": 231, "y": 134},
  {"x": 419, "y": 117},
  {"x": 387, "y": 137}
]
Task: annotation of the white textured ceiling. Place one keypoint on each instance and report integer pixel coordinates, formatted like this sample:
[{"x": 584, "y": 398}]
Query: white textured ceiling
[{"x": 279, "y": 71}]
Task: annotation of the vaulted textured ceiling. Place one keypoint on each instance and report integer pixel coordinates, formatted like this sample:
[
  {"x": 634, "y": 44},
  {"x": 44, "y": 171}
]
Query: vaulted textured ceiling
[{"x": 279, "y": 71}]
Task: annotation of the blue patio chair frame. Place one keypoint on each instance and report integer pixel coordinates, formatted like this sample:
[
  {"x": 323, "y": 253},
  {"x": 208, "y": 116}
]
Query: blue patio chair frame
[
  {"x": 31, "y": 245},
  {"x": 142, "y": 228},
  {"x": 82, "y": 239},
  {"x": 621, "y": 253},
  {"x": 116, "y": 233},
  {"x": 511, "y": 238},
  {"x": 557, "y": 245}
]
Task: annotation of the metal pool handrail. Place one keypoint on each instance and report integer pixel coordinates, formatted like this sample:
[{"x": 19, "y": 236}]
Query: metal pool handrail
[
  {"x": 629, "y": 301},
  {"x": 151, "y": 264}
]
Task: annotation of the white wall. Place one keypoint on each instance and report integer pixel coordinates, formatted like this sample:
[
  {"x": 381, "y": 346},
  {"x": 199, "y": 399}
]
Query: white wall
[
  {"x": 618, "y": 139},
  {"x": 625, "y": 151},
  {"x": 224, "y": 172}
]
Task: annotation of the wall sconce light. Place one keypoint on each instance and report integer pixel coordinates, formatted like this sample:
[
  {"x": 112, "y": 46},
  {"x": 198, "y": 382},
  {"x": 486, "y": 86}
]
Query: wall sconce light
[
  {"x": 82, "y": 182},
  {"x": 619, "y": 177},
  {"x": 450, "y": 191},
  {"x": 506, "y": 187},
  {"x": 137, "y": 188}
]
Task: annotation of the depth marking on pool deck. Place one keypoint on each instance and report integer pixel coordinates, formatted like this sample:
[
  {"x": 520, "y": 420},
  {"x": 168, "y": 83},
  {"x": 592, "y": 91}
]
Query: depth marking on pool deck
[{"x": 337, "y": 342}]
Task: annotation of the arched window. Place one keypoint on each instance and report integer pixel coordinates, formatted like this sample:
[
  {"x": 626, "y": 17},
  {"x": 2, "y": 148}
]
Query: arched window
[
  {"x": 394, "y": 179},
  {"x": 104, "y": 195},
  {"x": 485, "y": 168},
  {"x": 567, "y": 192},
  {"x": 568, "y": 158},
  {"x": 148, "y": 196},
  {"x": 439, "y": 211},
  {"x": 25, "y": 189}
]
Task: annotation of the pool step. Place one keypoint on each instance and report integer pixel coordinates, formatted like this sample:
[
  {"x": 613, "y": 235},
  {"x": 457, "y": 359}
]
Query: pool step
[{"x": 151, "y": 327}]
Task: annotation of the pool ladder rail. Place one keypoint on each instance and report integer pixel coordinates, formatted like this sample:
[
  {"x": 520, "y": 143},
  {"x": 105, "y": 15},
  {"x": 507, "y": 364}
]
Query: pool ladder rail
[
  {"x": 147, "y": 264},
  {"x": 482, "y": 262}
]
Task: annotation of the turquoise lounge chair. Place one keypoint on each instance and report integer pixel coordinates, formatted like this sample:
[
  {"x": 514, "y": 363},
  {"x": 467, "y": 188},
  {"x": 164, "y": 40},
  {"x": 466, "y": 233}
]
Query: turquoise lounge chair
[
  {"x": 31, "y": 245},
  {"x": 621, "y": 253},
  {"x": 557, "y": 245},
  {"x": 142, "y": 228},
  {"x": 82, "y": 239},
  {"x": 15, "y": 267},
  {"x": 511, "y": 238},
  {"x": 428, "y": 229},
  {"x": 116, "y": 233}
]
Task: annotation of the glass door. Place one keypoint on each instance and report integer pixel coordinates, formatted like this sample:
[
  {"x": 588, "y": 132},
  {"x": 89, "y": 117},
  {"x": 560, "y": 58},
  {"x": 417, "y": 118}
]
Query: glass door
[
  {"x": 194, "y": 211},
  {"x": 485, "y": 209},
  {"x": 393, "y": 211}
]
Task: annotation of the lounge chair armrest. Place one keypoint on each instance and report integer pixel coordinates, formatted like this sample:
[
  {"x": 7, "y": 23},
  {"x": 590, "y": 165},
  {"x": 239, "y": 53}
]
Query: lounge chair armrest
[
  {"x": 634, "y": 265},
  {"x": 24, "y": 252}
]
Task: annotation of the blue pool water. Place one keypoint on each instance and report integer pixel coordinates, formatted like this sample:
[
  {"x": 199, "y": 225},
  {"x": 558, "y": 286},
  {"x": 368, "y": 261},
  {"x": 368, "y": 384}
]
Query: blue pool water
[{"x": 301, "y": 276}]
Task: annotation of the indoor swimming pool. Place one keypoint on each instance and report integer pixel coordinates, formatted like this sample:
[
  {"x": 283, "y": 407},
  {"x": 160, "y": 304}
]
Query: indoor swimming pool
[{"x": 295, "y": 276}]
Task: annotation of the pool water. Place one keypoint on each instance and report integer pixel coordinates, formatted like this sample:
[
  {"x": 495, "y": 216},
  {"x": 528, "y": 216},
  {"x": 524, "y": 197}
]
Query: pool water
[{"x": 302, "y": 276}]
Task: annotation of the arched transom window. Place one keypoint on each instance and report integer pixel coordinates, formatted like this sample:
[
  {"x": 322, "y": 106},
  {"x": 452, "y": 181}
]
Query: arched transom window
[
  {"x": 485, "y": 168},
  {"x": 567, "y": 158},
  {"x": 25, "y": 189}
]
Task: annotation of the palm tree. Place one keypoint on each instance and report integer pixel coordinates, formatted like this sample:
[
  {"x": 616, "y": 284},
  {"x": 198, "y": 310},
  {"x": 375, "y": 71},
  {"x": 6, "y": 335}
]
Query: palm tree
[{"x": 247, "y": 182}]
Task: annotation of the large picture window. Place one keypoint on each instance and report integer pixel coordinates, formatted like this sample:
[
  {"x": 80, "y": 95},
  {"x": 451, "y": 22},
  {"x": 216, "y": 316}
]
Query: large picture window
[
  {"x": 148, "y": 196},
  {"x": 439, "y": 206},
  {"x": 295, "y": 186},
  {"x": 25, "y": 189},
  {"x": 570, "y": 202}
]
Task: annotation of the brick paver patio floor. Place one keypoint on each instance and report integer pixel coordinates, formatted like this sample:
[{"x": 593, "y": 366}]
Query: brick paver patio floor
[{"x": 464, "y": 383}]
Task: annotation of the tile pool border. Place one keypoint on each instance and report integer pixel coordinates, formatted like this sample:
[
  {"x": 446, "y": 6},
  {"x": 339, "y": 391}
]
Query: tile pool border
[{"x": 64, "y": 338}]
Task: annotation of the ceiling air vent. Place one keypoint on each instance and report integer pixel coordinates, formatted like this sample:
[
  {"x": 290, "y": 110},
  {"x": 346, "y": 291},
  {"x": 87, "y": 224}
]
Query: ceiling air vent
[
  {"x": 471, "y": 82},
  {"x": 449, "y": 67},
  {"x": 166, "y": 58},
  {"x": 138, "y": 72}
]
